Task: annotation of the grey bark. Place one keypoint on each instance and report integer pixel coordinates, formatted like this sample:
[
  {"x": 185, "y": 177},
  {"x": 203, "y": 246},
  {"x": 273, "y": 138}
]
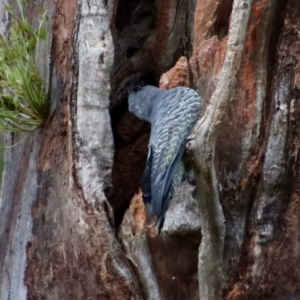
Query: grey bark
[{"x": 17, "y": 195}]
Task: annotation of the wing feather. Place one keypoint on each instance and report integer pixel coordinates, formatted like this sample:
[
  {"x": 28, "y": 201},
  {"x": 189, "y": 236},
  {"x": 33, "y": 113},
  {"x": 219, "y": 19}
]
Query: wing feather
[{"x": 146, "y": 178}]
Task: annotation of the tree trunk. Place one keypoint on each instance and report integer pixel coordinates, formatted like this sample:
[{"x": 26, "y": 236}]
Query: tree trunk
[
  {"x": 71, "y": 226},
  {"x": 56, "y": 238}
]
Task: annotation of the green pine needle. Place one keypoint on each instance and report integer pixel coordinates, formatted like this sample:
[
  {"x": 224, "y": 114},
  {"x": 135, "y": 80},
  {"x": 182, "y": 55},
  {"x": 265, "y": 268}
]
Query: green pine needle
[{"x": 24, "y": 103}]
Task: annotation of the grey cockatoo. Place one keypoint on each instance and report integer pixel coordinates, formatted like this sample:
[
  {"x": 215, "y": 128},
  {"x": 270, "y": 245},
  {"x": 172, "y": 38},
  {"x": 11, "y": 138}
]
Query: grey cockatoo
[{"x": 173, "y": 114}]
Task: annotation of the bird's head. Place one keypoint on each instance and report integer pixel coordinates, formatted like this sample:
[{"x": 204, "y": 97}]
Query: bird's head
[{"x": 141, "y": 100}]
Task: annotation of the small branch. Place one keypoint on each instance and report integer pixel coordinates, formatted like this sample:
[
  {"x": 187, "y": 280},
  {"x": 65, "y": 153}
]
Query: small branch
[
  {"x": 202, "y": 146},
  {"x": 134, "y": 236}
]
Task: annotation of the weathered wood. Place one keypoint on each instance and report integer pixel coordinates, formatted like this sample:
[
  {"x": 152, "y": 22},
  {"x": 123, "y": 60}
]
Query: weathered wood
[
  {"x": 56, "y": 238},
  {"x": 57, "y": 234}
]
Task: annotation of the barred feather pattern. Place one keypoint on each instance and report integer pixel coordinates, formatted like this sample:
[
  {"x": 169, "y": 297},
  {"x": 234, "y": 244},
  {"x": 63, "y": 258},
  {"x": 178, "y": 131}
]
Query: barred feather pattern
[
  {"x": 172, "y": 114},
  {"x": 177, "y": 177}
]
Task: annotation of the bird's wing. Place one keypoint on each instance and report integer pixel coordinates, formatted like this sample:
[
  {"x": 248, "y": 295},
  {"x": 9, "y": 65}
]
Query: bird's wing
[
  {"x": 167, "y": 148},
  {"x": 146, "y": 178},
  {"x": 176, "y": 179},
  {"x": 161, "y": 180},
  {"x": 161, "y": 185},
  {"x": 171, "y": 124}
]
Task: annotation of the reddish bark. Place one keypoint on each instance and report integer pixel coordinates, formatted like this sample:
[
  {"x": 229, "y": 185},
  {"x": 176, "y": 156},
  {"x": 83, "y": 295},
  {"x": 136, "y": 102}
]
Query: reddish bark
[{"x": 246, "y": 136}]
